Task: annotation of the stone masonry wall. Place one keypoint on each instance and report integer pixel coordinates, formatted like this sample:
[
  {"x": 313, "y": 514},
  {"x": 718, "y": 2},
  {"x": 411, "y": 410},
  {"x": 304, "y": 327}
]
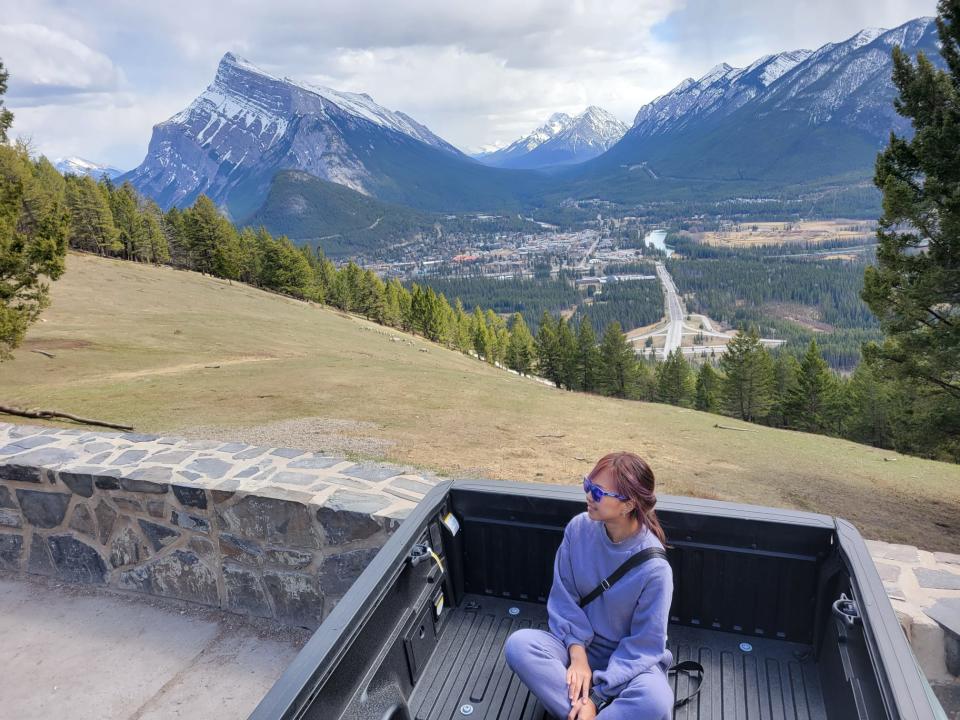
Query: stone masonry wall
[{"x": 269, "y": 532}]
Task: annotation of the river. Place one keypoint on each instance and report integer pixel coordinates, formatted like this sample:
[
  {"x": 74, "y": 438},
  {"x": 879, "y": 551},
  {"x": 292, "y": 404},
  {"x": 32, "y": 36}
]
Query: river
[{"x": 656, "y": 238}]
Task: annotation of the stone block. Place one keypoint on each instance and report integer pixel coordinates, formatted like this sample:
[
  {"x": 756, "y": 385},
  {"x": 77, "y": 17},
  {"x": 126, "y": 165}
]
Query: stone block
[
  {"x": 45, "y": 457},
  {"x": 888, "y": 573},
  {"x": 76, "y": 561},
  {"x": 891, "y": 551},
  {"x": 251, "y": 453},
  {"x": 27, "y": 443},
  {"x": 105, "y": 482},
  {"x": 79, "y": 483},
  {"x": 416, "y": 486},
  {"x": 11, "y": 551},
  {"x": 209, "y": 467},
  {"x": 245, "y": 591},
  {"x": 286, "y": 557},
  {"x": 927, "y": 643},
  {"x": 138, "y": 437},
  {"x": 157, "y": 508},
  {"x": 127, "y": 505},
  {"x": 948, "y": 558},
  {"x": 240, "y": 549},
  {"x": 6, "y": 499},
  {"x": 189, "y": 522},
  {"x": 221, "y": 496},
  {"x": 10, "y": 518},
  {"x": 343, "y": 526},
  {"x": 148, "y": 480},
  {"x": 314, "y": 462},
  {"x": 181, "y": 575},
  {"x": 937, "y": 579},
  {"x": 129, "y": 457},
  {"x": 20, "y": 473},
  {"x": 190, "y": 496},
  {"x": 296, "y": 598},
  {"x": 338, "y": 572},
  {"x": 289, "y": 453},
  {"x": 82, "y": 522},
  {"x": 128, "y": 548},
  {"x": 371, "y": 472},
  {"x": 232, "y": 447},
  {"x": 275, "y": 521},
  {"x": 201, "y": 546},
  {"x": 294, "y": 478},
  {"x": 39, "y": 561},
  {"x": 170, "y": 457},
  {"x": 43, "y": 509},
  {"x": 106, "y": 517},
  {"x": 97, "y": 447},
  {"x": 159, "y": 536}
]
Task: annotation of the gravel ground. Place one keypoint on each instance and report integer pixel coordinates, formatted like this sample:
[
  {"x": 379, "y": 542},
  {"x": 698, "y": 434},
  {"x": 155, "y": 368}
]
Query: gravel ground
[{"x": 317, "y": 434}]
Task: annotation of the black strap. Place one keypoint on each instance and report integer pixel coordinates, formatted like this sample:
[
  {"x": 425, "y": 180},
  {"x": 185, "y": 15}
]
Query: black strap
[
  {"x": 630, "y": 563},
  {"x": 688, "y": 666}
]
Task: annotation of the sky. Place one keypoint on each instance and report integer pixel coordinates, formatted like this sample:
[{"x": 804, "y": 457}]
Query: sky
[{"x": 92, "y": 78}]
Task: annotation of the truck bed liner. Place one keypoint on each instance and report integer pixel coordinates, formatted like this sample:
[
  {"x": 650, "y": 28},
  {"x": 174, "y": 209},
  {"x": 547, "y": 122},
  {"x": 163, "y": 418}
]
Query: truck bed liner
[{"x": 774, "y": 680}]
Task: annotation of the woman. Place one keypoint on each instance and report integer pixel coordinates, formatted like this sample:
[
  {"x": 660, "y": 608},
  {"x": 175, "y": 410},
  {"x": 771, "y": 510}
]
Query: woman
[{"x": 609, "y": 656}]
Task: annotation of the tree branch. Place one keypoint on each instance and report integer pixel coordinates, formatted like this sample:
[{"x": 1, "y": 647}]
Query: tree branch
[{"x": 47, "y": 414}]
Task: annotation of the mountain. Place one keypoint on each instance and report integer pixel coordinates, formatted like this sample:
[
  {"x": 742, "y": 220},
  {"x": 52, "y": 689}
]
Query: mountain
[
  {"x": 79, "y": 166},
  {"x": 790, "y": 119},
  {"x": 248, "y": 125},
  {"x": 562, "y": 140}
]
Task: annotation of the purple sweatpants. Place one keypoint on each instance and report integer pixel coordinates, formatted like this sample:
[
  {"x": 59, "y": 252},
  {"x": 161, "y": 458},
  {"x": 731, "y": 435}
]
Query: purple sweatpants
[{"x": 540, "y": 660}]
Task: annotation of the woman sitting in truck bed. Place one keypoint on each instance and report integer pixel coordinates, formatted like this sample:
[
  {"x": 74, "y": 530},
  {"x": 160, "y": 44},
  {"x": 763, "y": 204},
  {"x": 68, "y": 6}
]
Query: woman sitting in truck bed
[{"x": 608, "y": 654}]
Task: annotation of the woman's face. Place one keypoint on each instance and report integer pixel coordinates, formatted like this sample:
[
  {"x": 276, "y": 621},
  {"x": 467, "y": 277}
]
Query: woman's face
[{"x": 609, "y": 508}]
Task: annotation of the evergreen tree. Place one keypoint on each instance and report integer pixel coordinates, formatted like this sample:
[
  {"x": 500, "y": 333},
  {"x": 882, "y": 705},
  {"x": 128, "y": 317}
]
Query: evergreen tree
[
  {"x": 125, "y": 206},
  {"x": 707, "y": 394},
  {"x": 618, "y": 364},
  {"x": 808, "y": 398},
  {"x": 6, "y": 117},
  {"x": 566, "y": 355},
  {"x": 548, "y": 350},
  {"x": 914, "y": 289},
  {"x": 156, "y": 249},
  {"x": 748, "y": 377},
  {"x": 588, "y": 357},
  {"x": 785, "y": 371},
  {"x": 33, "y": 241},
  {"x": 872, "y": 407},
  {"x": 91, "y": 225},
  {"x": 482, "y": 339},
  {"x": 204, "y": 230},
  {"x": 521, "y": 351},
  {"x": 675, "y": 383}
]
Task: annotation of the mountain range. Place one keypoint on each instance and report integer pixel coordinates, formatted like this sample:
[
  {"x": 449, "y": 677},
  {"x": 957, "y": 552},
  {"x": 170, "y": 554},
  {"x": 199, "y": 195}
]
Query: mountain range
[
  {"x": 79, "y": 166},
  {"x": 562, "y": 140},
  {"x": 269, "y": 148}
]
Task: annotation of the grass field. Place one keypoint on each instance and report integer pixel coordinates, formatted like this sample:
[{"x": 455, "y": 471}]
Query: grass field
[
  {"x": 138, "y": 345},
  {"x": 776, "y": 233}
]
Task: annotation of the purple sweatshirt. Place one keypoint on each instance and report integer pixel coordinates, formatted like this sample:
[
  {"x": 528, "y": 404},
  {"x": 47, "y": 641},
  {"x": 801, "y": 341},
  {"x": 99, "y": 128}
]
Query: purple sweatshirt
[{"x": 628, "y": 622}]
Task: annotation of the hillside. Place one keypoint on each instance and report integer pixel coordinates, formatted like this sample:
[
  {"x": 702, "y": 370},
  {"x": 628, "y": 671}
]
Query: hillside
[{"x": 171, "y": 351}]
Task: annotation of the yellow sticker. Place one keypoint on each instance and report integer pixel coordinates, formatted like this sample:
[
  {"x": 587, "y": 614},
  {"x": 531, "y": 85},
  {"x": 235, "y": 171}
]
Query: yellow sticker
[
  {"x": 438, "y": 605},
  {"x": 450, "y": 522}
]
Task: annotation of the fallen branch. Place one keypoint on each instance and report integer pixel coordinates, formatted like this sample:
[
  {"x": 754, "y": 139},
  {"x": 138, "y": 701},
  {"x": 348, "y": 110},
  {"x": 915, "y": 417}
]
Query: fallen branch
[
  {"x": 47, "y": 414},
  {"x": 727, "y": 427},
  {"x": 211, "y": 367},
  {"x": 44, "y": 352},
  {"x": 550, "y": 436}
]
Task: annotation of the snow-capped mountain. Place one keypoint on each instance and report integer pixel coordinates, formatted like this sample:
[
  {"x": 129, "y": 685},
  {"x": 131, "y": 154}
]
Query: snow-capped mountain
[
  {"x": 248, "y": 125},
  {"x": 79, "y": 166},
  {"x": 795, "y": 115},
  {"x": 561, "y": 140}
]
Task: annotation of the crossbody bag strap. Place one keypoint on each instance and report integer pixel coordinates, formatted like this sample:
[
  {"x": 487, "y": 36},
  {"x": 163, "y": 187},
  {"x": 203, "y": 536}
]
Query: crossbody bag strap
[
  {"x": 630, "y": 563},
  {"x": 690, "y": 667}
]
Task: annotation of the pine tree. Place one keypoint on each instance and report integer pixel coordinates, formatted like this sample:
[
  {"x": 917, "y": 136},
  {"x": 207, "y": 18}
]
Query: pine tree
[
  {"x": 157, "y": 251},
  {"x": 204, "y": 229},
  {"x": 91, "y": 225},
  {"x": 125, "y": 206},
  {"x": 807, "y": 400},
  {"x": 33, "y": 242},
  {"x": 618, "y": 364},
  {"x": 566, "y": 355},
  {"x": 914, "y": 289},
  {"x": 6, "y": 117},
  {"x": 871, "y": 400},
  {"x": 675, "y": 382},
  {"x": 521, "y": 351},
  {"x": 748, "y": 377},
  {"x": 482, "y": 341},
  {"x": 785, "y": 371},
  {"x": 707, "y": 394},
  {"x": 548, "y": 349},
  {"x": 588, "y": 357}
]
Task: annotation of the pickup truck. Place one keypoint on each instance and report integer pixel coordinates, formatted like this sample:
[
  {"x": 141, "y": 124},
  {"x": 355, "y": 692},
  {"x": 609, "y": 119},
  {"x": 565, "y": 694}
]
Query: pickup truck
[{"x": 784, "y": 610}]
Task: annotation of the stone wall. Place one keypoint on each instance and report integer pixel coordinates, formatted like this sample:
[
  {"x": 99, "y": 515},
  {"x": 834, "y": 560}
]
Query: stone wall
[{"x": 276, "y": 533}]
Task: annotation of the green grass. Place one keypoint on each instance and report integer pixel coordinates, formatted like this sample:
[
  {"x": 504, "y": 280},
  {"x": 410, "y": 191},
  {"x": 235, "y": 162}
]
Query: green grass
[{"x": 132, "y": 344}]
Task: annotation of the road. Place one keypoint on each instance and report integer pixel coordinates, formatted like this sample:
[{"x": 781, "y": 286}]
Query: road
[{"x": 675, "y": 311}]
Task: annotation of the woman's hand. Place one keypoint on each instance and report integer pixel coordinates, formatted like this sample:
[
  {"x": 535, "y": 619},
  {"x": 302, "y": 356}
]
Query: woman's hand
[
  {"x": 579, "y": 676},
  {"x": 582, "y": 710}
]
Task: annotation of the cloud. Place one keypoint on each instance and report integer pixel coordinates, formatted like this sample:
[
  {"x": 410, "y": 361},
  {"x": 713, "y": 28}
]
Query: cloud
[
  {"x": 46, "y": 65},
  {"x": 475, "y": 73}
]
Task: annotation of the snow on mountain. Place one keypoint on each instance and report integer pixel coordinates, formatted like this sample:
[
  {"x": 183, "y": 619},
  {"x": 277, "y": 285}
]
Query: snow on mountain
[
  {"x": 79, "y": 166},
  {"x": 561, "y": 140},
  {"x": 819, "y": 82},
  {"x": 248, "y": 124}
]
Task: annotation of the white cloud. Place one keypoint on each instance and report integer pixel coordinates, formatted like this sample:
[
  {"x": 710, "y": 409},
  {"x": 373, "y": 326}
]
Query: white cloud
[
  {"x": 46, "y": 64},
  {"x": 93, "y": 78}
]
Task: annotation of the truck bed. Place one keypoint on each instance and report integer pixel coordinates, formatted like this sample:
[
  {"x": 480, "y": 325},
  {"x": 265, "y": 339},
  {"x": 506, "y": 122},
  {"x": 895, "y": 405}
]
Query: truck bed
[{"x": 775, "y": 679}]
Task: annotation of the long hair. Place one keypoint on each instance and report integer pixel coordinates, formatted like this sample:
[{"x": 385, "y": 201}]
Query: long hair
[{"x": 634, "y": 478}]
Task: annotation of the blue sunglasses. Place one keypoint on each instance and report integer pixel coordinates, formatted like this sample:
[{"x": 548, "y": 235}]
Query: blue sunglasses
[{"x": 598, "y": 492}]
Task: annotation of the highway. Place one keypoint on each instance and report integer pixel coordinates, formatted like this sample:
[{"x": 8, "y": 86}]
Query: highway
[{"x": 675, "y": 311}]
